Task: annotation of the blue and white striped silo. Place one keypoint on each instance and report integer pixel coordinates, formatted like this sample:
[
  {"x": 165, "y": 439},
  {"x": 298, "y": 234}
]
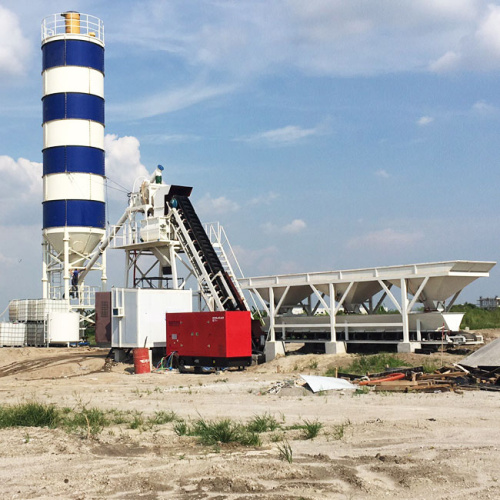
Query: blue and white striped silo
[{"x": 73, "y": 138}]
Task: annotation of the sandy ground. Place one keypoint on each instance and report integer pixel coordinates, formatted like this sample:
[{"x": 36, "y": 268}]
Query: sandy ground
[{"x": 409, "y": 446}]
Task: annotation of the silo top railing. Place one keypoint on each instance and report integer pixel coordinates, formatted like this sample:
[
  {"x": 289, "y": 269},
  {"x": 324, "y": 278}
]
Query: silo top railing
[{"x": 72, "y": 24}]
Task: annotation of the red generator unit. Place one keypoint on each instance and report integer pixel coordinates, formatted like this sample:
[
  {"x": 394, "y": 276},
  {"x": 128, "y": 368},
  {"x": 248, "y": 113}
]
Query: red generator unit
[{"x": 210, "y": 339}]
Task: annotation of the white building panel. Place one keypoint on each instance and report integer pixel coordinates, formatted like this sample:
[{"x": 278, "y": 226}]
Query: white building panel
[
  {"x": 73, "y": 79},
  {"x": 73, "y": 133},
  {"x": 96, "y": 132},
  {"x": 73, "y": 186},
  {"x": 138, "y": 318}
]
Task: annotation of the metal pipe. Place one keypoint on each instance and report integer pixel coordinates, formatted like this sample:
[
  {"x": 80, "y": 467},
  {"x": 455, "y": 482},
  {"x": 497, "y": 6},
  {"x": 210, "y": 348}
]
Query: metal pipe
[{"x": 72, "y": 22}]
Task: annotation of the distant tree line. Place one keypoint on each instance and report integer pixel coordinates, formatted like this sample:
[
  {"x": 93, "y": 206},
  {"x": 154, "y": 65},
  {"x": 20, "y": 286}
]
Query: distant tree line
[{"x": 476, "y": 318}]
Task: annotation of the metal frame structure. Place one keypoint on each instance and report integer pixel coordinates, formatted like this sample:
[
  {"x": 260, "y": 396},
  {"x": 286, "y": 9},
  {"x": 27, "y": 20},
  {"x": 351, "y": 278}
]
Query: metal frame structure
[
  {"x": 155, "y": 244},
  {"x": 435, "y": 285}
]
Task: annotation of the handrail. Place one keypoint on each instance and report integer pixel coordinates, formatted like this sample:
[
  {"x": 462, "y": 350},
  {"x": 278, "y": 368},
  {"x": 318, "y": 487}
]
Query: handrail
[{"x": 79, "y": 25}]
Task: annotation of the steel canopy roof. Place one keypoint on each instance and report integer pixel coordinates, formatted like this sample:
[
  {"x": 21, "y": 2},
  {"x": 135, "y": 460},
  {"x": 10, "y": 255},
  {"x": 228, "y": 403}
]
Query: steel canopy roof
[{"x": 444, "y": 280}]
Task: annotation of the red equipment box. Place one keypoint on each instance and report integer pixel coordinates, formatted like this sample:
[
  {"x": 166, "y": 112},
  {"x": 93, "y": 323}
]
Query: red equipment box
[{"x": 210, "y": 338}]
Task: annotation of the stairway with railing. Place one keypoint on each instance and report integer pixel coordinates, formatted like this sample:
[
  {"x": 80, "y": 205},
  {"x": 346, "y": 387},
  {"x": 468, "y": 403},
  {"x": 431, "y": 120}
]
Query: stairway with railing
[{"x": 220, "y": 242}]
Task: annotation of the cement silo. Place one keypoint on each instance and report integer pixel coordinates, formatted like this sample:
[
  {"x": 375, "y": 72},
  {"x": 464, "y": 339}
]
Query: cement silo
[{"x": 73, "y": 148}]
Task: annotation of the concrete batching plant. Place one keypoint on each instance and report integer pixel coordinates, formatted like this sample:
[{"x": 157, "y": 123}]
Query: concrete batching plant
[{"x": 175, "y": 264}]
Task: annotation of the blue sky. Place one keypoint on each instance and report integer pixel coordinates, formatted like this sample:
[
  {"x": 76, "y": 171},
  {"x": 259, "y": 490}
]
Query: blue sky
[{"x": 328, "y": 134}]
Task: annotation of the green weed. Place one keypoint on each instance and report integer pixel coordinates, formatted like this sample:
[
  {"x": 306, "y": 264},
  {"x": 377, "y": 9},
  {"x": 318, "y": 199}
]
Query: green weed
[
  {"x": 181, "y": 428},
  {"x": 90, "y": 420},
  {"x": 137, "y": 421},
  {"x": 285, "y": 452},
  {"x": 339, "y": 430},
  {"x": 223, "y": 431},
  {"x": 163, "y": 417},
  {"x": 262, "y": 423},
  {"x": 311, "y": 429},
  {"x": 374, "y": 363},
  {"x": 31, "y": 414}
]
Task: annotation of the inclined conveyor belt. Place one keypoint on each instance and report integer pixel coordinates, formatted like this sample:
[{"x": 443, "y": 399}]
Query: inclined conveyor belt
[{"x": 221, "y": 280}]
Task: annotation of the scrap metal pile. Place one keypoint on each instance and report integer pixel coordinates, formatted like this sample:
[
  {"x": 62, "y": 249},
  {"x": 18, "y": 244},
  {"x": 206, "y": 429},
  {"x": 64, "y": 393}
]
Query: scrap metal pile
[{"x": 451, "y": 378}]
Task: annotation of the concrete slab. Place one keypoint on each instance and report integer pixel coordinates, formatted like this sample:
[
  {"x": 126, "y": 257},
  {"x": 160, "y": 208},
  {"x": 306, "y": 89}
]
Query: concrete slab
[{"x": 489, "y": 355}]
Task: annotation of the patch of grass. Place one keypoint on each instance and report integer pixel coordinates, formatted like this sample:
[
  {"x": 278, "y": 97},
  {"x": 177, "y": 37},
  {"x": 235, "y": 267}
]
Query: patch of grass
[
  {"x": 374, "y": 363},
  {"x": 137, "y": 421},
  {"x": 223, "y": 431},
  {"x": 262, "y": 423},
  {"x": 431, "y": 366},
  {"x": 30, "y": 414},
  {"x": 34, "y": 414},
  {"x": 118, "y": 417},
  {"x": 90, "y": 420},
  {"x": 285, "y": 452},
  {"x": 181, "y": 428},
  {"x": 313, "y": 365},
  {"x": 163, "y": 417},
  {"x": 339, "y": 430},
  {"x": 249, "y": 439},
  {"x": 311, "y": 429}
]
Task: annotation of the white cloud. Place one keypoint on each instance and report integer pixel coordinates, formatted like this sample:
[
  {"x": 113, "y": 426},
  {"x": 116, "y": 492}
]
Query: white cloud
[
  {"x": 123, "y": 163},
  {"x": 209, "y": 207},
  {"x": 282, "y": 136},
  {"x": 257, "y": 261},
  {"x": 483, "y": 108},
  {"x": 223, "y": 46},
  {"x": 351, "y": 38},
  {"x": 21, "y": 257},
  {"x": 294, "y": 227},
  {"x": 478, "y": 48},
  {"x": 385, "y": 239},
  {"x": 168, "y": 101},
  {"x": 382, "y": 173},
  {"x": 14, "y": 47},
  {"x": 6, "y": 260},
  {"x": 21, "y": 179},
  {"x": 236, "y": 41},
  {"x": 169, "y": 138},
  {"x": 447, "y": 62},
  {"x": 425, "y": 120},
  {"x": 265, "y": 199}
]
